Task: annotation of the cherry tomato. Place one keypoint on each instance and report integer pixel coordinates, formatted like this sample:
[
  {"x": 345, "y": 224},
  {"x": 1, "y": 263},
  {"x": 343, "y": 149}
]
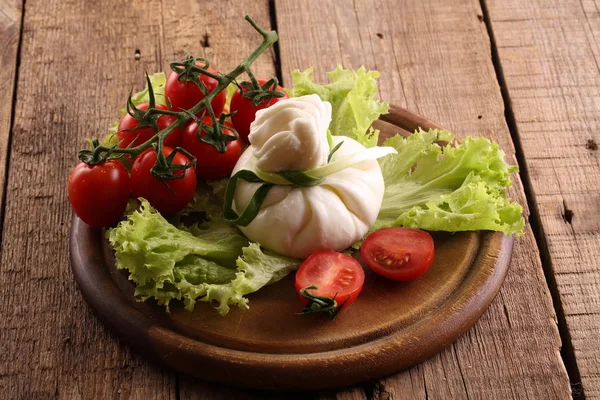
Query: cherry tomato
[
  {"x": 401, "y": 254},
  {"x": 185, "y": 95},
  {"x": 245, "y": 111},
  {"x": 169, "y": 196},
  {"x": 335, "y": 274},
  {"x": 99, "y": 193},
  {"x": 210, "y": 164},
  {"x": 127, "y": 137}
]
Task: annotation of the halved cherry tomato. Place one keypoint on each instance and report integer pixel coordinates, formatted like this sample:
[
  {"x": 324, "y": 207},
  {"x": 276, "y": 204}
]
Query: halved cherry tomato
[
  {"x": 169, "y": 196},
  {"x": 99, "y": 193},
  {"x": 335, "y": 274},
  {"x": 398, "y": 253},
  {"x": 185, "y": 95},
  {"x": 128, "y": 136},
  {"x": 245, "y": 111},
  {"x": 210, "y": 164}
]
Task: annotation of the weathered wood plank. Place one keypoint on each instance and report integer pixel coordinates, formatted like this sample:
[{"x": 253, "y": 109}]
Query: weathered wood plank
[
  {"x": 343, "y": 394},
  {"x": 217, "y": 31},
  {"x": 550, "y": 59},
  {"x": 77, "y": 62},
  {"x": 10, "y": 32},
  {"x": 195, "y": 390},
  {"x": 435, "y": 59}
]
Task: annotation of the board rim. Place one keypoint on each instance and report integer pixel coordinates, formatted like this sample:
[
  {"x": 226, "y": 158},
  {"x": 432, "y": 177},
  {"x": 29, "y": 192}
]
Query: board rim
[{"x": 371, "y": 360}]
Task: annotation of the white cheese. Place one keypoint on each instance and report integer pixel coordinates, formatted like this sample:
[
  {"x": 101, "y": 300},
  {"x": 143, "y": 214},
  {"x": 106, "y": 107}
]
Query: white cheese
[
  {"x": 291, "y": 135},
  {"x": 298, "y": 221}
]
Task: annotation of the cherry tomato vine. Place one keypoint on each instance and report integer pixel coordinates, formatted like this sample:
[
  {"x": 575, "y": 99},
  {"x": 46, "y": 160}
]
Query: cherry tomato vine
[{"x": 189, "y": 70}]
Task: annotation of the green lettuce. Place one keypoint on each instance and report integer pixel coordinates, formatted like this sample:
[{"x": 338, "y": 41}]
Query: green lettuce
[
  {"x": 218, "y": 187},
  {"x": 458, "y": 187},
  {"x": 158, "y": 82},
  {"x": 229, "y": 93},
  {"x": 211, "y": 262},
  {"x": 352, "y": 94},
  {"x": 204, "y": 204}
]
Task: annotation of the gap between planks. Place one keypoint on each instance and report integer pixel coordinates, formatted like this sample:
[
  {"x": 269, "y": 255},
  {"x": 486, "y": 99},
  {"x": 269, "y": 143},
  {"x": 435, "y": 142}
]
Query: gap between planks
[
  {"x": 276, "y": 52},
  {"x": 535, "y": 222},
  {"x": 13, "y": 104}
]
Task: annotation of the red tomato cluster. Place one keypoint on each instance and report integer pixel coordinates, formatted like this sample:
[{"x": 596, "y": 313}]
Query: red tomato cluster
[{"x": 99, "y": 193}]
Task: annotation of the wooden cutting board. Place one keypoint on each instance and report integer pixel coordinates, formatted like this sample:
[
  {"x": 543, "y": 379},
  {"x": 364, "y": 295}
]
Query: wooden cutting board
[{"x": 392, "y": 325}]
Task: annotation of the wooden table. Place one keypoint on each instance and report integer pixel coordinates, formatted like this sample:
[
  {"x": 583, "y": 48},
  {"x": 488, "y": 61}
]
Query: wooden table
[{"x": 523, "y": 73}]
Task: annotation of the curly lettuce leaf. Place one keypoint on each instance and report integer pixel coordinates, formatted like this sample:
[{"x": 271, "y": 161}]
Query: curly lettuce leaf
[
  {"x": 210, "y": 263},
  {"x": 158, "y": 81},
  {"x": 352, "y": 94},
  {"x": 229, "y": 93},
  {"x": 218, "y": 187},
  {"x": 205, "y": 210},
  {"x": 203, "y": 204},
  {"x": 108, "y": 140},
  {"x": 148, "y": 239},
  {"x": 454, "y": 188},
  {"x": 111, "y": 138},
  {"x": 255, "y": 269}
]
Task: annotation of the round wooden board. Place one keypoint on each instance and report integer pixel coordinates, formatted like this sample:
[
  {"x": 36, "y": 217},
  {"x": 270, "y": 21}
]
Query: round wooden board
[{"x": 391, "y": 327}]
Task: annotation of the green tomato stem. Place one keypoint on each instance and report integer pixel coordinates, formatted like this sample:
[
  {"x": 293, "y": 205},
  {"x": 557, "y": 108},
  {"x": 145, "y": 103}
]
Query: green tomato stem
[{"x": 269, "y": 38}]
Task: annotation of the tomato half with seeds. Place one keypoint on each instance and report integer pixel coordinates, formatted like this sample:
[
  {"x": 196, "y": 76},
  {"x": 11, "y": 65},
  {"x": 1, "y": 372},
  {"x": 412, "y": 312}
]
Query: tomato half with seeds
[
  {"x": 185, "y": 95},
  {"x": 400, "y": 254},
  {"x": 129, "y": 136},
  {"x": 334, "y": 274}
]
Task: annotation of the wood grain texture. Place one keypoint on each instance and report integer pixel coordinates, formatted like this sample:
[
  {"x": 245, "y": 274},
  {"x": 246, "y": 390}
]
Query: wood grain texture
[
  {"x": 76, "y": 67},
  {"x": 435, "y": 60},
  {"x": 215, "y": 30},
  {"x": 345, "y": 394},
  {"x": 10, "y": 32},
  {"x": 550, "y": 57},
  {"x": 193, "y": 389},
  {"x": 53, "y": 346}
]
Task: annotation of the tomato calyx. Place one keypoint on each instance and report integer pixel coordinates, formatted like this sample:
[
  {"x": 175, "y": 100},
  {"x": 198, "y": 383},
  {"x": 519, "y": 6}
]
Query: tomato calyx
[
  {"x": 166, "y": 169},
  {"x": 320, "y": 304},
  {"x": 213, "y": 133},
  {"x": 258, "y": 93},
  {"x": 148, "y": 117},
  {"x": 95, "y": 156},
  {"x": 189, "y": 69}
]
